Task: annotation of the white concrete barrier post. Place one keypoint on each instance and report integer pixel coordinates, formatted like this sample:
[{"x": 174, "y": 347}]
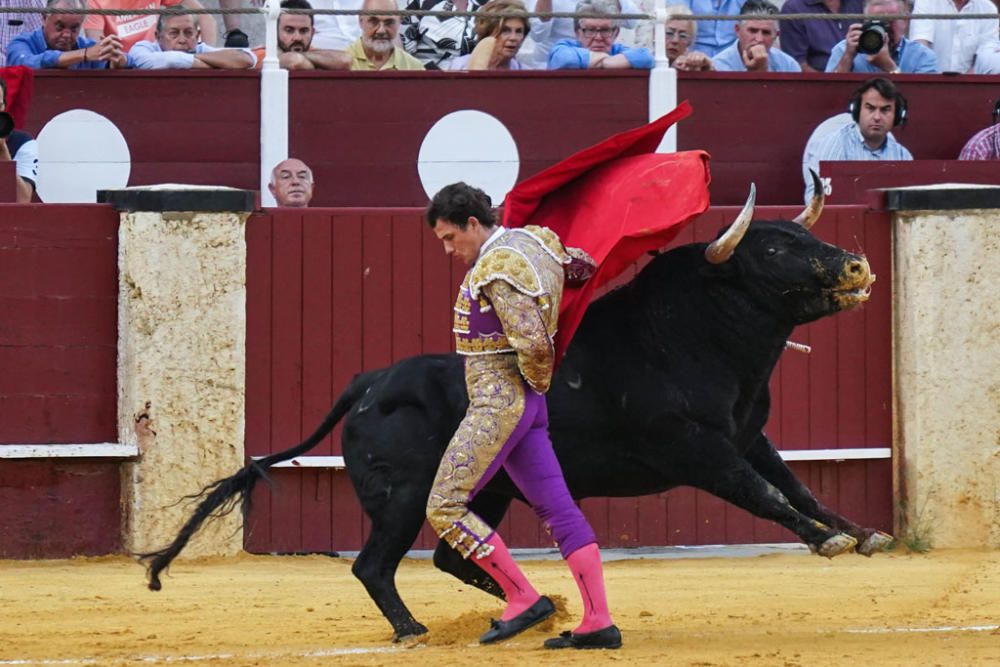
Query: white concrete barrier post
[
  {"x": 946, "y": 246},
  {"x": 662, "y": 80},
  {"x": 273, "y": 104},
  {"x": 181, "y": 356}
]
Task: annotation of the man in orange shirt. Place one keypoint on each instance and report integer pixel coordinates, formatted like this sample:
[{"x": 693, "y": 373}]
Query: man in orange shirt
[{"x": 140, "y": 27}]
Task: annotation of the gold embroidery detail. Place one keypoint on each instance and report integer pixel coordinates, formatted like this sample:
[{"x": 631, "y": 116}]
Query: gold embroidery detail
[
  {"x": 496, "y": 404},
  {"x": 491, "y": 345},
  {"x": 508, "y": 264}
]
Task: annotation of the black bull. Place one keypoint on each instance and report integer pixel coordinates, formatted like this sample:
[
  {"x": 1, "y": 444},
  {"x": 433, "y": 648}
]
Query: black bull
[{"x": 665, "y": 384}]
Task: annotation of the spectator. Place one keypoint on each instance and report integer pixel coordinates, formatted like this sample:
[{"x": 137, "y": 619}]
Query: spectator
[
  {"x": 58, "y": 43},
  {"x": 898, "y": 54},
  {"x": 988, "y": 58},
  {"x": 498, "y": 38},
  {"x": 809, "y": 41},
  {"x": 434, "y": 40},
  {"x": 376, "y": 48},
  {"x": 139, "y": 27},
  {"x": 177, "y": 47},
  {"x": 680, "y": 34},
  {"x": 22, "y": 149},
  {"x": 753, "y": 51},
  {"x": 595, "y": 46},
  {"x": 876, "y": 107},
  {"x": 985, "y": 144},
  {"x": 291, "y": 183},
  {"x": 335, "y": 32},
  {"x": 715, "y": 36},
  {"x": 545, "y": 33},
  {"x": 954, "y": 41},
  {"x": 295, "y": 43},
  {"x": 15, "y": 23}
]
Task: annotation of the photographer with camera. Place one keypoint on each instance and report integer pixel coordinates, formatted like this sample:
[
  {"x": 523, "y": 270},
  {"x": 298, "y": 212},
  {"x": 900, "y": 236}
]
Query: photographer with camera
[
  {"x": 18, "y": 147},
  {"x": 880, "y": 45}
]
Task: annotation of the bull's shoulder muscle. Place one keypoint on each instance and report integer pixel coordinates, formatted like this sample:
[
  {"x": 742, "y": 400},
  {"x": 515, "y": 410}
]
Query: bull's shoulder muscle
[{"x": 509, "y": 265}]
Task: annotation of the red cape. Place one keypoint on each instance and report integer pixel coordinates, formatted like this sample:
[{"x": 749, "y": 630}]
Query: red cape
[
  {"x": 617, "y": 200},
  {"x": 19, "y": 87}
]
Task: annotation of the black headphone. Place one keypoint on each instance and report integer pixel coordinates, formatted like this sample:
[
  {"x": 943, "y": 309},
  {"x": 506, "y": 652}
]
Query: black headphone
[
  {"x": 996, "y": 112},
  {"x": 884, "y": 86}
]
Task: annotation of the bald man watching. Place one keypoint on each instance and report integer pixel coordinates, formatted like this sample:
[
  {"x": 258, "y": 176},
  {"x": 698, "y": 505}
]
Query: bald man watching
[{"x": 292, "y": 183}]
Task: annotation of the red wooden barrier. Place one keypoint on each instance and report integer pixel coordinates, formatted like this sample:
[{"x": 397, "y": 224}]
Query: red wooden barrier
[
  {"x": 332, "y": 293},
  {"x": 362, "y": 133},
  {"x": 58, "y": 342}
]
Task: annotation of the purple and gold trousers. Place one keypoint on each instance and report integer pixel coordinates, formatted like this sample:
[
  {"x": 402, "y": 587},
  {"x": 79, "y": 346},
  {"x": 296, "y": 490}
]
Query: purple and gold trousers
[{"x": 505, "y": 426}]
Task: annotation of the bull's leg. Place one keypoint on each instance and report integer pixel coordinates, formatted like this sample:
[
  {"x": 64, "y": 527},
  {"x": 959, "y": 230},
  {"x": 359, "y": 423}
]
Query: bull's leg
[
  {"x": 491, "y": 508},
  {"x": 396, "y": 521},
  {"x": 768, "y": 462},
  {"x": 734, "y": 480}
]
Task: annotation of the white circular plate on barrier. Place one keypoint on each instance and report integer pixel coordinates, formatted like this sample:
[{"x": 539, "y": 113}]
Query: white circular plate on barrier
[
  {"x": 470, "y": 146},
  {"x": 79, "y": 153}
]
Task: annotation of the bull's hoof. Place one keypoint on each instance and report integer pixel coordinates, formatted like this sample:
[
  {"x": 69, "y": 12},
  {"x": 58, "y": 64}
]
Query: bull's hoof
[
  {"x": 836, "y": 545},
  {"x": 410, "y": 633},
  {"x": 876, "y": 542}
]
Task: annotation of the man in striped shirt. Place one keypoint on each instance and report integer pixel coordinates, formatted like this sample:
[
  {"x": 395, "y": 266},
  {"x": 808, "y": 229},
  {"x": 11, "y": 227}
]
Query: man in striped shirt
[
  {"x": 985, "y": 144},
  {"x": 13, "y": 24},
  {"x": 876, "y": 107}
]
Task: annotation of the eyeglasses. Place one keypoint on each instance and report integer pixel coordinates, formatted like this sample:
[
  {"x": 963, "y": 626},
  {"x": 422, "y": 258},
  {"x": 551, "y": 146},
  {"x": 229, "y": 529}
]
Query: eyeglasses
[
  {"x": 679, "y": 34},
  {"x": 593, "y": 32}
]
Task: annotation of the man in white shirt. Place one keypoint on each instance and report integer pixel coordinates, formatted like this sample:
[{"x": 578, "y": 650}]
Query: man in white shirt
[
  {"x": 335, "y": 31},
  {"x": 954, "y": 41},
  {"x": 177, "y": 47}
]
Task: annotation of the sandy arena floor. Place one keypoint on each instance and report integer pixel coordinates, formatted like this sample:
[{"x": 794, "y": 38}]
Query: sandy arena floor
[{"x": 788, "y": 609}]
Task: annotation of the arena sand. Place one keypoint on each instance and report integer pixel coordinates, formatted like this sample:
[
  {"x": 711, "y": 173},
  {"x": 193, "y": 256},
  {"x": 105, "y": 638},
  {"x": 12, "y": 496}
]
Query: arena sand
[{"x": 940, "y": 608}]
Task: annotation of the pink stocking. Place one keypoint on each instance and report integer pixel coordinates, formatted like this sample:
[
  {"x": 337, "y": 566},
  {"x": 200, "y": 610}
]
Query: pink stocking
[
  {"x": 585, "y": 564},
  {"x": 500, "y": 565}
]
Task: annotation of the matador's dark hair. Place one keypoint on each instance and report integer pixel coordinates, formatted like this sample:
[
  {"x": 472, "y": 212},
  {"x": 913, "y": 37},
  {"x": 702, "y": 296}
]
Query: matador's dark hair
[{"x": 457, "y": 202}]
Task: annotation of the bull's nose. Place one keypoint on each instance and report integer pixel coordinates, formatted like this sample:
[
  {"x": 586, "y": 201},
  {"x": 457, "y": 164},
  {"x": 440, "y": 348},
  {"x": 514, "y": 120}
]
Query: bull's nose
[{"x": 857, "y": 268}]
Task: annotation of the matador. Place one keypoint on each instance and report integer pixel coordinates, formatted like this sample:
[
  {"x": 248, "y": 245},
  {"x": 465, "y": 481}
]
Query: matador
[{"x": 505, "y": 322}]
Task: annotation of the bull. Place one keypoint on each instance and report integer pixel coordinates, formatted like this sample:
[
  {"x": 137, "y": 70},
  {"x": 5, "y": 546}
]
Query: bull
[{"x": 664, "y": 384}]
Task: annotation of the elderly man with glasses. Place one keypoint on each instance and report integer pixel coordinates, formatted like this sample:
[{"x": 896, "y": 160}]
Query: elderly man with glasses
[{"x": 595, "y": 46}]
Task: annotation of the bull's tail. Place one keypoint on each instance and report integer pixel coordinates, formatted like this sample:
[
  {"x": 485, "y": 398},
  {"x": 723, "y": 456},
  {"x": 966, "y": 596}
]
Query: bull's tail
[{"x": 222, "y": 496}]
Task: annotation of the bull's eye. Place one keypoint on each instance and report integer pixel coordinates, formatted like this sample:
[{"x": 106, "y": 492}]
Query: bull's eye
[{"x": 772, "y": 251}]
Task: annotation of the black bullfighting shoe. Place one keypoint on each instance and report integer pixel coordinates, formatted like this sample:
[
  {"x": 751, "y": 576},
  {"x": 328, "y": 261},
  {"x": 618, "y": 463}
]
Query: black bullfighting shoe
[
  {"x": 609, "y": 637},
  {"x": 533, "y": 615}
]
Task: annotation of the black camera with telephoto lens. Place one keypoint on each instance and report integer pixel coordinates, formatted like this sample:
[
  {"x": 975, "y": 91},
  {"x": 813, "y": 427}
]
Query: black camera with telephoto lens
[
  {"x": 874, "y": 33},
  {"x": 6, "y": 124}
]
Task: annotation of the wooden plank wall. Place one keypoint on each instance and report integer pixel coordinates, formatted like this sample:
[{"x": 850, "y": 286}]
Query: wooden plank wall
[
  {"x": 331, "y": 293},
  {"x": 362, "y": 132},
  {"x": 58, "y": 346}
]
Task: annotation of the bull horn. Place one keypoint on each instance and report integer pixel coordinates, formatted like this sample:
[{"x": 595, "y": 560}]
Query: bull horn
[
  {"x": 722, "y": 248},
  {"x": 808, "y": 217}
]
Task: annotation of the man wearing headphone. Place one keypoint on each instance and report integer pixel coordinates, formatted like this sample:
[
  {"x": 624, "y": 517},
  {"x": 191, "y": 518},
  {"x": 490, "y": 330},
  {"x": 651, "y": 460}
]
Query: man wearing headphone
[
  {"x": 876, "y": 107},
  {"x": 985, "y": 144}
]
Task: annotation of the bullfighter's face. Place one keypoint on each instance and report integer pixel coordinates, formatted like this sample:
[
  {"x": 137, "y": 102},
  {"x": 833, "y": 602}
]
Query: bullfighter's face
[{"x": 463, "y": 243}]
